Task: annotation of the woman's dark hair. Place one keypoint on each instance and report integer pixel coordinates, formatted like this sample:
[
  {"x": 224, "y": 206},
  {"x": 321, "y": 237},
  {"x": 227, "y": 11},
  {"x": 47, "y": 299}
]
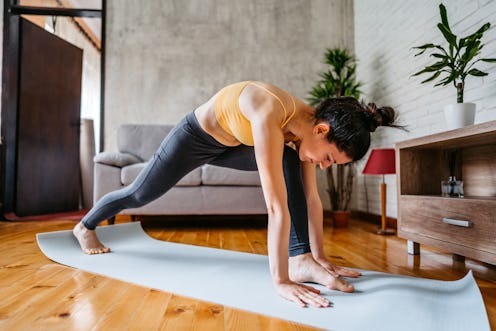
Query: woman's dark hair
[{"x": 351, "y": 123}]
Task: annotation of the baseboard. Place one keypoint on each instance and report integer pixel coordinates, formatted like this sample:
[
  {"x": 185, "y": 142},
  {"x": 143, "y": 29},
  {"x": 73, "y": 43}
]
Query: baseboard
[{"x": 70, "y": 216}]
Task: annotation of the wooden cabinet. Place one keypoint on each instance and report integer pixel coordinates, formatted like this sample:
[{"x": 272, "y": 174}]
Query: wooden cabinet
[{"x": 465, "y": 226}]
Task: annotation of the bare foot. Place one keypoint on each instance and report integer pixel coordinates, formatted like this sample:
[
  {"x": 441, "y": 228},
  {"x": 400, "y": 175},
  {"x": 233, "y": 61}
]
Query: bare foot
[
  {"x": 303, "y": 268},
  {"x": 88, "y": 240}
]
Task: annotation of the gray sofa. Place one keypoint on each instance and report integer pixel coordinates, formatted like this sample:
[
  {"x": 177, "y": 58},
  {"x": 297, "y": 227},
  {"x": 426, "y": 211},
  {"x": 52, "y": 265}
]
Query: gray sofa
[{"x": 208, "y": 190}]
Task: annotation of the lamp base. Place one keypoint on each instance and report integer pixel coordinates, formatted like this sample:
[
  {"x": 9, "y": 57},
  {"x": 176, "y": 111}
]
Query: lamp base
[{"x": 386, "y": 231}]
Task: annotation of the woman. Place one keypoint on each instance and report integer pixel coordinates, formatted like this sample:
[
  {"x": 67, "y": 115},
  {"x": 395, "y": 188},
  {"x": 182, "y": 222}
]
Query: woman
[{"x": 249, "y": 126}]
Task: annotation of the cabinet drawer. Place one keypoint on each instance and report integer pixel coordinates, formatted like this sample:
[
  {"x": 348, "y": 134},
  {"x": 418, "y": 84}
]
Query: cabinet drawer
[{"x": 423, "y": 215}]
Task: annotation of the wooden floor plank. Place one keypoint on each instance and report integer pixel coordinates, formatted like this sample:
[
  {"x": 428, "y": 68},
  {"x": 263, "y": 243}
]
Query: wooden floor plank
[
  {"x": 150, "y": 314},
  {"x": 208, "y": 316},
  {"x": 42, "y": 303},
  {"x": 121, "y": 314},
  {"x": 237, "y": 319},
  {"x": 38, "y": 294},
  {"x": 180, "y": 314},
  {"x": 24, "y": 295}
]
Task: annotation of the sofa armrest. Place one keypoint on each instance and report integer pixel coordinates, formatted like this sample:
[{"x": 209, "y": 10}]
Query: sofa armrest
[
  {"x": 106, "y": 179},
  {"x": 116, "y": 159}
]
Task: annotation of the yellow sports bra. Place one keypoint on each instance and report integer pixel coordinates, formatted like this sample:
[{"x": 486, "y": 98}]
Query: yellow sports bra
[{"x": 229, "y": 115}]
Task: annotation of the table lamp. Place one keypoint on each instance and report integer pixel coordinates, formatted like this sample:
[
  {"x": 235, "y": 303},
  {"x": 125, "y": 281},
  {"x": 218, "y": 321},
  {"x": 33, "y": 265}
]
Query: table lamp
[{"x": 381, "y": 162}]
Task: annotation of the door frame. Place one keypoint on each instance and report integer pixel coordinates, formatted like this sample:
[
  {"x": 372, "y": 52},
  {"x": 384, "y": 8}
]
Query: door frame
[{"x": 10, "y": 88}]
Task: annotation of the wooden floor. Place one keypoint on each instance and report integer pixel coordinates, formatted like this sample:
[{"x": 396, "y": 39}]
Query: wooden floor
[{"x": 37, "y": 294}]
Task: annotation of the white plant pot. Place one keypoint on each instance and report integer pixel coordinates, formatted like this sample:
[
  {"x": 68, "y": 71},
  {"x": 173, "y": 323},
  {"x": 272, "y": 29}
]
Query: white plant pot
[{"x": 459, "y": 115}]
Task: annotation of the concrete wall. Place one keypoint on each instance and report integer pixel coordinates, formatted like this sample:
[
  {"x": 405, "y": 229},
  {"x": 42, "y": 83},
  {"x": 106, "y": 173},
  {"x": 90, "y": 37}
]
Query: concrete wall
[
  {"x": 385, "y": 32},
  {"x": 164, "y": 58}
]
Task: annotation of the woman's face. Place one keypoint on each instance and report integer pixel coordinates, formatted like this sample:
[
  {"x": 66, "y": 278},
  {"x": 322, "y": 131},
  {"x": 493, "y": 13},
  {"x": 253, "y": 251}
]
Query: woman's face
[{"x": 316, "y": 149}]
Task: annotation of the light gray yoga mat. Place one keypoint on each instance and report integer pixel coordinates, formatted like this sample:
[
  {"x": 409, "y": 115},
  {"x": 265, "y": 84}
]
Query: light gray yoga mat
[{"x": 381, "y": 301}]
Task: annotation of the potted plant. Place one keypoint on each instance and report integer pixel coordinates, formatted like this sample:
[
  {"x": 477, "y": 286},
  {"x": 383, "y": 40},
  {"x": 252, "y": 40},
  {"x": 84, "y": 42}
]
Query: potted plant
[
  {"x": 338, "y": 80},
  {"x": 456, "y": 63}
]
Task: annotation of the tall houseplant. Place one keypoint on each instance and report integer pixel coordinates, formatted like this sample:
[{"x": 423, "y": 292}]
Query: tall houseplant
[
  {"x": 338, "y": 80},
  {"x": 455, "y": 63}
]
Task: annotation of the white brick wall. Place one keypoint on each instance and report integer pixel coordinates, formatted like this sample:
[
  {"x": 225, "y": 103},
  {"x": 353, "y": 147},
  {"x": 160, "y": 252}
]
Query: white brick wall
[{"x": 385, "y": 32}]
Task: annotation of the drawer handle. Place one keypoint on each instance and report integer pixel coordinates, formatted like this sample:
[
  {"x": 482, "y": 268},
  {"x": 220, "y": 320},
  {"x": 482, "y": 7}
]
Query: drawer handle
[{"x": 462, "y": 223}]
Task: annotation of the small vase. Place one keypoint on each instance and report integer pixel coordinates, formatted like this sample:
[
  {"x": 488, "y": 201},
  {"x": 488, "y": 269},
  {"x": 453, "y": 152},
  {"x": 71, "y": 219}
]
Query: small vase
[
  {"x": 340, "y": 218},
  {"x": 459, "y": 115}
]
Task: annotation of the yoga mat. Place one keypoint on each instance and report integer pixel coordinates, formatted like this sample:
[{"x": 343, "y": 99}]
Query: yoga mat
[{"x": 241, "y": 280}]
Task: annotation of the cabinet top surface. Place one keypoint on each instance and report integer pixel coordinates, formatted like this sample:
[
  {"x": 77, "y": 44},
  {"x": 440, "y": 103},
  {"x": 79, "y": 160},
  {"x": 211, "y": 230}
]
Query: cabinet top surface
[{"x": 478, "y": 134}]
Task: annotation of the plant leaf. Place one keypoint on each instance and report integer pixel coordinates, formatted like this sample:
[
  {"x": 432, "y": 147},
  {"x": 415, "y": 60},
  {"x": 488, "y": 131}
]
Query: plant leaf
[
  {"x": 471, "y": 51},
  {"x": 451, "y": 38},
  {"x": 439, "y": 56},
  {"x": 436, "y": 74},
  {"x": 423, "y": 48},
  {"x": 444, "y": 16},
  {"x": 448, "y": 79},
  {"x": 477, "y": 72},
  {"x": 423, "y": 71},
  {"x": 489, "y": 60},
  {"x": 482, "y": 29}
]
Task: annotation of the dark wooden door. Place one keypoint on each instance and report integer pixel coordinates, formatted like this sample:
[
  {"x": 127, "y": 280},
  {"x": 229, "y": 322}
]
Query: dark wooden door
[{"x": 47, "y": 176}]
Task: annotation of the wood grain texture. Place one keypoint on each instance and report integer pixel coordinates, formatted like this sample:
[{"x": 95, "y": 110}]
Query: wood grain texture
[
  {"x": 423, "y": 164},
  {"x": 37, "y": 294},
  {"x": 479, "y": 170},
  {"x": 421, "y": 219},
  {"x": 473, "y": 135}
]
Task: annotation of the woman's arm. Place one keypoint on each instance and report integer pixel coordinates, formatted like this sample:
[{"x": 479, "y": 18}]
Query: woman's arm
[
  {"x": 316, "y": 222},
  {"x": 315, "y": 211},
  {"x": 269, "y": 148}
]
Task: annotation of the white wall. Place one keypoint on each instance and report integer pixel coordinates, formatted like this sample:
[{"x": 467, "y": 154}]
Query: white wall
[{"x": 385, "y": 32}]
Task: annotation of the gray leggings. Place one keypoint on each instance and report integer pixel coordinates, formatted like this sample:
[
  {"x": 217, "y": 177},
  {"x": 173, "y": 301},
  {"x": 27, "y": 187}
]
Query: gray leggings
[{"x": 187, "y": 147}]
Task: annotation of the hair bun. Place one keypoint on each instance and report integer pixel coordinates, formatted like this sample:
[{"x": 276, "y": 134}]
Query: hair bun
[{"x": 383, "y": 116}]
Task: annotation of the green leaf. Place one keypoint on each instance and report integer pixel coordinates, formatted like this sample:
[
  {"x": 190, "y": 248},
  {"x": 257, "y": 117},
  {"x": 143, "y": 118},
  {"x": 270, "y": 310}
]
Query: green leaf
[
  {"x": 451, "y": 38},
  {"x": 489, "y": 60},
  {"x": 478, "y": 34},
  {"x": 425, "y": 46},
  {"x": 432, "y": 77},
  {"x": 439, "y": 56},
  {"x": 448, "y": 79},
  {"x": 339, "y": 79},
  {"x": 423, "y": 71},
  {"x": 441, "y": 49},
  {"x": 444, "y": 16},
  {"x": 476, "y": 72},
  {"x": 482, "y": 29},
  {"x": 470, "y": 52}
]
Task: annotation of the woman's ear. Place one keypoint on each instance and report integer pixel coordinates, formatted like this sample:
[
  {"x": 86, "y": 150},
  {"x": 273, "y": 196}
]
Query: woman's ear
[{"x": 321, "y": 129}]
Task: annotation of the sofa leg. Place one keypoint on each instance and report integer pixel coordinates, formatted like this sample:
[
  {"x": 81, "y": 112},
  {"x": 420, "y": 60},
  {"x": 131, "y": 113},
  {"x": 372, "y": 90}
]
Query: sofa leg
[{"x": 111, "y": 220}]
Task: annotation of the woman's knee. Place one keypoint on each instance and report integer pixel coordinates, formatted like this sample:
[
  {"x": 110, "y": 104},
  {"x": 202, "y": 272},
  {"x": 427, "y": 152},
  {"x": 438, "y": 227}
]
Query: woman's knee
[{"x": 136, "y": 199}]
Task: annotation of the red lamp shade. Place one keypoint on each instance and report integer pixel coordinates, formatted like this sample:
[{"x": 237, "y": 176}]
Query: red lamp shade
[{"x": 381, "y": 162}]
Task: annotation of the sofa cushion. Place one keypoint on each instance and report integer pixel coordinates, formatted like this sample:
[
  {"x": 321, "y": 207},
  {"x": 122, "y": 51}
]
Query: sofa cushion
[
  {"x": 116, "y": 159},
  {"x": 141, "y": 140},
  {"x": 129, "y": 173},
  {"x": 214, "y": 175}
]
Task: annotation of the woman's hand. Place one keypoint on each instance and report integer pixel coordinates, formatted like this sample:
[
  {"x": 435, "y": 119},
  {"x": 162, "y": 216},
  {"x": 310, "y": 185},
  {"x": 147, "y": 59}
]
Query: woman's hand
[
  {"x": 337, "y": 271},
  {"x": 301, "y": 294}
]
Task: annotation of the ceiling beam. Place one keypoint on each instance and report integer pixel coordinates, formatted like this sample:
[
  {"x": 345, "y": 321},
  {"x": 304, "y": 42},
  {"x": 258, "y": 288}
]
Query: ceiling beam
[{"x": 54, "y": 11}]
